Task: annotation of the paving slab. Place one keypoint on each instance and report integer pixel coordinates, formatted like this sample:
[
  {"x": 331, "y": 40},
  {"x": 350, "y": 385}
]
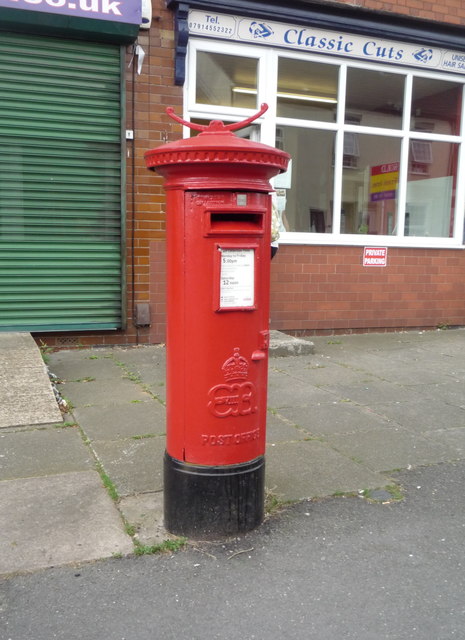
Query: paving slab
[
  {"x": 26, "y": 394},
  {"x": 301, "y": 470},
  {"x": 144, "y": 511},
  {"x": 422, "y": 414},
  {"x": 330, "y": 419},
  {"x": 101, "y": 422},
  {"x": 278, "y": 429},
  {"x": 106, "y": 391},
  {"x": 393, "y": 448},
  {"x": 153, "y": 377},
  {"x": 75, "y": 365},
  {"x": 373, "y": 391},
  {"x": 285, "y": 391},
  {"x": 452, "y": 393},
  {"x": 453, "y": 438},
  {"x": 134, "y": 466},
  {"x": 59, "y": 519},
  {"x": 318, "y": 371},
  {"x": 16, "y": 341},
  {"x": 42, "y": 452},
  {"x": 153, "y": 355}
]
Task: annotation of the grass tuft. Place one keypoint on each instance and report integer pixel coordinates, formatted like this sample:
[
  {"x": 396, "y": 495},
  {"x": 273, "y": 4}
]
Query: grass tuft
[{"x": 162, "y": 547}]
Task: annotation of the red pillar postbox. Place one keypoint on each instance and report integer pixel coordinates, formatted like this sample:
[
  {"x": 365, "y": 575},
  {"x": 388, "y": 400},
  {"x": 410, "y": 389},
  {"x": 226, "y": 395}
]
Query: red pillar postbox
[{"x": 218, "y": 264}]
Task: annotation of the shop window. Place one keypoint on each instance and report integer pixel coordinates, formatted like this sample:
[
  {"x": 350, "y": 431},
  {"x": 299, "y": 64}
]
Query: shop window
[
  {"x": 306, "y": 90},
  {"x": 224, "y": 80},
  {"x": 430, "y": 195},
  {"x": 306, "y": 190},
  {"x": 377, "y": 95},
  {"x": 437, "y": 101},
  {"x": 369, "y": 193},
  {"x": 375, "y": 148}
]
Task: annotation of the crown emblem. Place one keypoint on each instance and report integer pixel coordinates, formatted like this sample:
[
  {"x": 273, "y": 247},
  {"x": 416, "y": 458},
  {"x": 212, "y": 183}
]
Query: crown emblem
[{"x": 236, "y": 367}]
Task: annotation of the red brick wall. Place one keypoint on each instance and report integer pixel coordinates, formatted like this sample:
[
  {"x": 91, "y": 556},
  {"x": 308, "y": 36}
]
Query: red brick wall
[
  {"x": 158, "y": 291},
  {"x": 318, "y": 288},
  {"x": 148, "y": 95},
  {"x": 450, "y": 11}
]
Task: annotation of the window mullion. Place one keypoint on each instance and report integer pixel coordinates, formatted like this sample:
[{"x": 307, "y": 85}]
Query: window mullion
[
  {"x": 190, "y": 84},
  {"x": 339, "y": 150},
  {"x": 459, "y": 233},
  {"x": 404, "y": 153},
  {"x": 267, "y": 89}
]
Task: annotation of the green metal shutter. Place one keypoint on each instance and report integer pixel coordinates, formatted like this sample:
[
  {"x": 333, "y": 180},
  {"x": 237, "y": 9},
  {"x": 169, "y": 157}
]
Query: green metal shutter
[{"x": 60, "y": 184}]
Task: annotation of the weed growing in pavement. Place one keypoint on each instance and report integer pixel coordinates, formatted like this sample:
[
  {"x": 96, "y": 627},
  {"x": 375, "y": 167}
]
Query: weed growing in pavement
[
  {"x": 45, "y": 351},
  {"x": 107, "y": 482},
  {"x": 130, "y": 529},
  {"x": 395, "y": 491},
  {"x": 274, "y": 504},
  {"x": 128, "y": 374},
  {"x": 163, "y": 547},
  {"x": 144, "y": 436},
  {"x": 135, "y": 377}
]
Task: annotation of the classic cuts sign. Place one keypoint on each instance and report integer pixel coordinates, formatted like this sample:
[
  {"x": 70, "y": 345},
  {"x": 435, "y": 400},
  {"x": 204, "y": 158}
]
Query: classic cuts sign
[{"x": 312, "y": 40}]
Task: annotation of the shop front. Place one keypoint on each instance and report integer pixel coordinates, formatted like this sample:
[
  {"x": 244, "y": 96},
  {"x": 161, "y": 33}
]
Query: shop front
[
  {"x": 62, "y": 163},
  {"x": 371, "y": 111}
]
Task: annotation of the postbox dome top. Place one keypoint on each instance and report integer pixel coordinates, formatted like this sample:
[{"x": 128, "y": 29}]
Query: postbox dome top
[{"x": 215, "y": 153}]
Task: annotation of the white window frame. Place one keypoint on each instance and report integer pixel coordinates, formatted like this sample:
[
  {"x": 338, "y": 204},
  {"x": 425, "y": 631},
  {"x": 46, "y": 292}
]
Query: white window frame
[{"x": 267, "y": 78}]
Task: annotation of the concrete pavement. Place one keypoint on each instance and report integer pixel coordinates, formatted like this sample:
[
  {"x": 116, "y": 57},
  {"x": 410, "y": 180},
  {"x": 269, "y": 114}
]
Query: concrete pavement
[{"x": 343, "y": 419}]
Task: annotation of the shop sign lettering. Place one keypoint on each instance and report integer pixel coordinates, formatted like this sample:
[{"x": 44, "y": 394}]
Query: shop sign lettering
[
  {"x": 128, "y": 11},
  {"x": 277, "y": 34}
]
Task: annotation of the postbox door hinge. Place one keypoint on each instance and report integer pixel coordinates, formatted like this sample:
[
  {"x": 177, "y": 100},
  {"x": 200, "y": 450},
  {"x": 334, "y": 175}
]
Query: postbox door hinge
[
  {"x": 264, "y": 342},
  {"x": 263, "y": 346}
]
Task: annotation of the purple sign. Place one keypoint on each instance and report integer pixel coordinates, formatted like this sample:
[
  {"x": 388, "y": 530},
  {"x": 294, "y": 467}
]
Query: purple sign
[
  {"x": 383, "y": 195},
  {"x": 128, "y": 11}
]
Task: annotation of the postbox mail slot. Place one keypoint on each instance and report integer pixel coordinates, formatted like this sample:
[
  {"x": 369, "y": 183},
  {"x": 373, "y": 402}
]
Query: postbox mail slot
[{"x": 235, "y": 223}]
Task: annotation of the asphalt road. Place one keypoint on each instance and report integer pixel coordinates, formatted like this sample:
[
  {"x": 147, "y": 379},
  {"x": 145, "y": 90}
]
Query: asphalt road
[{"x": 331, "y": 569}]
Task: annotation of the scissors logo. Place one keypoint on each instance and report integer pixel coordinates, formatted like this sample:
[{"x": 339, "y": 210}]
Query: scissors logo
[{"x": 260, "y": 30}]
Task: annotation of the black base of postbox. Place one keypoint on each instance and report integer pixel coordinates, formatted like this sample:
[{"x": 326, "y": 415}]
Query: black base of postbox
[{"x": 210, "y": 502}]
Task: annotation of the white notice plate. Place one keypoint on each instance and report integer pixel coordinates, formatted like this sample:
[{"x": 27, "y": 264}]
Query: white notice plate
[{"x": 237, "y": 278}]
